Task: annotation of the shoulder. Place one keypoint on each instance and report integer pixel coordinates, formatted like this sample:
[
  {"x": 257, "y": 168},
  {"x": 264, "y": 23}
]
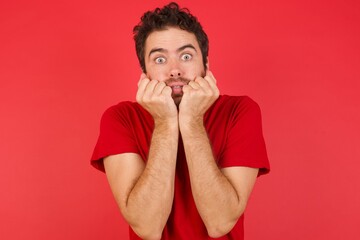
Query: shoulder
[
  {"x": 235, "y": 104},
  {"x": 236, "y": 100},
  {"x": 125, "y": 113},
  {"x": 122, "y": 109}
]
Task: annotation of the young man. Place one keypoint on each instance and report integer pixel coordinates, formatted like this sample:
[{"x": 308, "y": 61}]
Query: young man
[{"x": 182, "y": 161}]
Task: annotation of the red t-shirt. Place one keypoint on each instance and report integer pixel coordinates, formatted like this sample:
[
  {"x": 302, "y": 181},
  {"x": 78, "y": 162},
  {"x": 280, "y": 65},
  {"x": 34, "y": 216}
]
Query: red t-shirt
[{"x": 234, "y": 129}]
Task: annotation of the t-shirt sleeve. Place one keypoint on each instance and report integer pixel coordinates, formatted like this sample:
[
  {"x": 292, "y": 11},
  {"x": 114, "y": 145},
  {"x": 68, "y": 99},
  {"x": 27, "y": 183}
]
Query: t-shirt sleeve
[
  {"x": 115, "y": 136},
  {"x": 245, "y": 144}
]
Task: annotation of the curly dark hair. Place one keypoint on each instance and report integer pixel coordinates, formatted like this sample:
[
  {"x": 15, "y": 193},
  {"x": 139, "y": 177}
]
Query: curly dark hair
[{"x": 168, "y": 16}]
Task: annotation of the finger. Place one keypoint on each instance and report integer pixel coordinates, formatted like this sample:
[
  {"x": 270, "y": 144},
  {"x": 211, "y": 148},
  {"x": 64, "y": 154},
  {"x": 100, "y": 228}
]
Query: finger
[
  {"x": 141, "y": 88},
  {"x": 204, "y": 84},
  {"x": 149, "y": 90},
  {"x": 210, "y": 75},
  {"x": 211, "y": 80},
  {"x": 142, "y": 76},
  {"x": 186, "y": 88},
  {"x": 159, "y": 88},
  {"x": 194, "y": 84},
  {"x": 167, "y": 91}
]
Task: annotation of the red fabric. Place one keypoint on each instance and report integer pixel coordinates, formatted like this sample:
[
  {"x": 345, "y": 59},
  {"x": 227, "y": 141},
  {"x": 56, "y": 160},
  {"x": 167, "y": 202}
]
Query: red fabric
[{"x": 234, "y": 129}]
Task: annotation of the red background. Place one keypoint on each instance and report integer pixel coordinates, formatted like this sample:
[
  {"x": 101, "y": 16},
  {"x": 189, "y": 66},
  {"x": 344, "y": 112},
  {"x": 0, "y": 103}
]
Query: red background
[{"x": 62, "y": 63}]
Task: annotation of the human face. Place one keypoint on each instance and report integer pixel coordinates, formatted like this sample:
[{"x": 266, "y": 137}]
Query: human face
[{"x": 173, "y": 56}]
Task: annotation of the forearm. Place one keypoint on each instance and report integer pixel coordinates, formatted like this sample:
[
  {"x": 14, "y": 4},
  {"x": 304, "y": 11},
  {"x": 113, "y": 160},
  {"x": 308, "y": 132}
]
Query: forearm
[
  {"x": 215, "y": 197},
  {"x": 150, "y": 201}
]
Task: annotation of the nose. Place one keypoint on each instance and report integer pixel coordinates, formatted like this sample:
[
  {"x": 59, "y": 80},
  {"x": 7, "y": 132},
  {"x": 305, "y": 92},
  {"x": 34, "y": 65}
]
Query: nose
[
  {"x": 175, "y": 71},
  {"x": 175, "y": 74}
]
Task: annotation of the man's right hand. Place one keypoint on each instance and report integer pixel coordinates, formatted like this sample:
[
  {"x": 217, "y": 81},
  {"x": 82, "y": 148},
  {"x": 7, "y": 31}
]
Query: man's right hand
[
  {"x": 156, "y": 98},
  {"x": 144, "y": 190}
]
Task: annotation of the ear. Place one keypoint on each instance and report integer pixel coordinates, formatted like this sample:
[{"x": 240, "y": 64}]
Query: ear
[{"x": 207, "y": 63}]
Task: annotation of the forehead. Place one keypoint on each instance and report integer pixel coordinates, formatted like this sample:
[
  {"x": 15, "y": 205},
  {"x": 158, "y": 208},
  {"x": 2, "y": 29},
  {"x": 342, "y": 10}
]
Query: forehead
[{"x": 170, "y": 39}]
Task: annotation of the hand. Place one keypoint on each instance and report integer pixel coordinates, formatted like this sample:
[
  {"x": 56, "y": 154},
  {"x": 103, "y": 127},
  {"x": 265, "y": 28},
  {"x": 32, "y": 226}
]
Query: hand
[
  {"x": 156, "y": 98},
  {"x": 197, "y": 98}
]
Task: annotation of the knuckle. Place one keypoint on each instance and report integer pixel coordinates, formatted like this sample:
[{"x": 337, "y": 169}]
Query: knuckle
[
  {"x": 144, "y": 81},
  {"x": 167, "y": 89},
  {"x": 200, "y": 80},
  {"x": 153, "y": 82}
]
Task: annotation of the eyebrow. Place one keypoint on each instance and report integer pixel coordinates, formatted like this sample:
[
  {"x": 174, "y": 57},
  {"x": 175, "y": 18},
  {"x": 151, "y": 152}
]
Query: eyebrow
[
  {"x": 186, "y": 46},
  {"x": 161, "y": 50}
]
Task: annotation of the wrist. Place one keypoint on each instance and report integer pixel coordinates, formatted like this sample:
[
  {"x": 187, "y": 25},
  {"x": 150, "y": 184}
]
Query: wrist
[
  {"x": 191, "y": 125},
  {"x": 167, "y": 123}
]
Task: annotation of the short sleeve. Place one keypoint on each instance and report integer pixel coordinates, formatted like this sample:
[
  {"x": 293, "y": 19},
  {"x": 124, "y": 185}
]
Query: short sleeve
[
  {"x": 115, "y": 136},
  {"x": 245, "y": 145}
]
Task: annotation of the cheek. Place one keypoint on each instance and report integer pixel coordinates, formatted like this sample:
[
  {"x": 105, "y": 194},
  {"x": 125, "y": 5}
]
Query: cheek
[
  {"x": 156, "y": 74},
  {"x": 197, "y": 69}
]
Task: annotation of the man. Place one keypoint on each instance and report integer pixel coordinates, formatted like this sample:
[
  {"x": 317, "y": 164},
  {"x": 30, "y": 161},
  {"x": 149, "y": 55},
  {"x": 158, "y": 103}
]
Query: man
[{"x": 182, "y": 161}]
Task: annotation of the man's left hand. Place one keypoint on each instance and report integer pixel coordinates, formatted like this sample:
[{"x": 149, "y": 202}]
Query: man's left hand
[{"x": 197, "y": 98}]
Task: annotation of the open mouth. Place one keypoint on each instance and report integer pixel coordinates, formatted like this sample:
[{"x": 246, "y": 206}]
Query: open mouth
[
  {"x": 177, "y": 85},
  {"x": 177, "y": 89}
]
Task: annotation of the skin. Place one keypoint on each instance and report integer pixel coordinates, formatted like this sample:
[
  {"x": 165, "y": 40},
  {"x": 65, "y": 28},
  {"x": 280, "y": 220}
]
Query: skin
[{"x": 177, "y": 91}]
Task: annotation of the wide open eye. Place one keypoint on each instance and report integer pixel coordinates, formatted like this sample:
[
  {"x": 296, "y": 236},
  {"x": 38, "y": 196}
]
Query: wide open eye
[
  {"x": 160, "y": 60},
  {"x": 186, "y": 57}
]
